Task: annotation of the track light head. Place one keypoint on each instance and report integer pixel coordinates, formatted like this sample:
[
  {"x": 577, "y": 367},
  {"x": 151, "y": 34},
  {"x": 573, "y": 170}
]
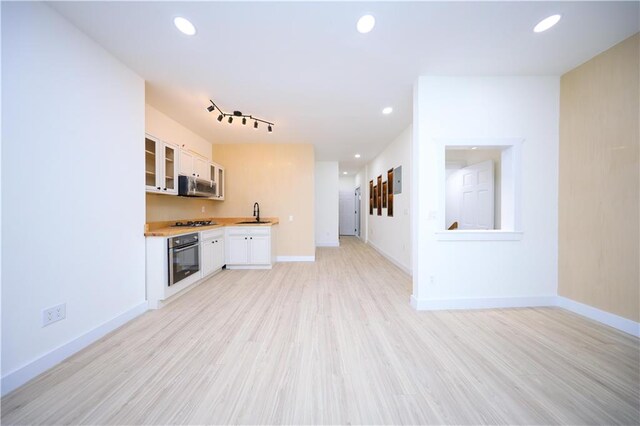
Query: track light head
[
  {"x": 211, "y": 108},
  {"x": 220, "y": 117},
  {"x": 255, "y": 125},
  {"x": 269, "y": 128},
  {"x": 244, "y": 121},
  {"x": 230, "y": 120}
]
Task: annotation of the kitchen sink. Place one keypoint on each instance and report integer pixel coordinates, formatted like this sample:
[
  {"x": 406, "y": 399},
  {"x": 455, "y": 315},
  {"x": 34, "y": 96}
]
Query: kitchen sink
[{"x": 252, "y": 221}]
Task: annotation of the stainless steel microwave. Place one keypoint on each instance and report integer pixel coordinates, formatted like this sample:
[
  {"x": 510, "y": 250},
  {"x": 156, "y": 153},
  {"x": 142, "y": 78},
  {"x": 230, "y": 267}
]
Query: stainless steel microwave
[{"x": 190, "y": 186}]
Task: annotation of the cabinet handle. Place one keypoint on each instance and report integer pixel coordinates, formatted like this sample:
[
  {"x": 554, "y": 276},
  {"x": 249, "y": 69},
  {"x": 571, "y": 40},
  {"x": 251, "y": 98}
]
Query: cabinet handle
[
  {"x": 165, "y": 189},
  {"x": 158, "y": 187},
  {"x": 251, "y": 238}
]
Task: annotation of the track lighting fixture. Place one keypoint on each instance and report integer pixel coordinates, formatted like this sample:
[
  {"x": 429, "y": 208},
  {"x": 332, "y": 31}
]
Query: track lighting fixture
[{"x": 213, "y": 107}]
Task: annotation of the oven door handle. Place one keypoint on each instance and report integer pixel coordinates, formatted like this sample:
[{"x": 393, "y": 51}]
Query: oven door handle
[{"x": 178, "y": 250}]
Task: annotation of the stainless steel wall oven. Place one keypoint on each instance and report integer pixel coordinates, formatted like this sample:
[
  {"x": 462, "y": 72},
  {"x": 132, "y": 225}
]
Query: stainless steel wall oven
[{"x": 184, "y": 257}]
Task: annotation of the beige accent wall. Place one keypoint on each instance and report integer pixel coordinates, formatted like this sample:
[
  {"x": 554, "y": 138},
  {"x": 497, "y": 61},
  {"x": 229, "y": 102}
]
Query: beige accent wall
[
  {"x": 281, "y": 178},
  {"x": 599, "y": 182},
  {"x": 171, "y": 207}
]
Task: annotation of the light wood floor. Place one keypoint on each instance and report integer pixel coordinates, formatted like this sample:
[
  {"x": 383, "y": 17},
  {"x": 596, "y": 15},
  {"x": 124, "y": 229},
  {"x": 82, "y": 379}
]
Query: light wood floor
[{"x": 336, "y": 341}]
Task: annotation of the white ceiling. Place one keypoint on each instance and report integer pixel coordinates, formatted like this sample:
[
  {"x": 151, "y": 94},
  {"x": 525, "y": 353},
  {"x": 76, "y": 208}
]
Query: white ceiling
[{"x": 304, "y": 66}]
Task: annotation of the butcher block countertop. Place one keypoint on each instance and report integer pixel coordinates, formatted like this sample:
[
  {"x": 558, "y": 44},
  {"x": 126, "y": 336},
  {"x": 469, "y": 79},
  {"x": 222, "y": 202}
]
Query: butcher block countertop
[{"x": 165, "y": 228}]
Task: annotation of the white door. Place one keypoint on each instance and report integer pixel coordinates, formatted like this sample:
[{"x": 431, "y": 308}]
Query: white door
[
  {"x": 477, "y": 196},
  {"x": 208, "y": 257},
  {"x": 260, "y": 250},
  {"x": 238, "y": 250},
  {"x": 186, "y": 163},
  {"x": 357, "y": 209},
  {"x": 347, "y": 213},
  {"x": 218, "y": 253}
]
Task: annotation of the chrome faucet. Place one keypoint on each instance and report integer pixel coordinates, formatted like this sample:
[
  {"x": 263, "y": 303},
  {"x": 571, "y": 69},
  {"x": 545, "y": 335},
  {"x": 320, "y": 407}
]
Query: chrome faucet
[{"x": 256, "y": 211}]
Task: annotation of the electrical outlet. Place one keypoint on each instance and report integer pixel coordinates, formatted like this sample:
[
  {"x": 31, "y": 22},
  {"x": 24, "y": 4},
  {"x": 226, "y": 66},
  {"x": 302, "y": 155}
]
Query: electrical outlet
[
  {"x": 56, "y": 313},
  {"x": 291, "y": 218},
  {"x": 202, "y": 209}
]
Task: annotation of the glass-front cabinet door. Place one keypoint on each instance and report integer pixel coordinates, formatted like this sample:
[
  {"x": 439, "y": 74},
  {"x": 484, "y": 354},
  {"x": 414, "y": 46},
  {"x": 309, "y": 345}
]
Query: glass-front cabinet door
[
  {"x": 170, "y": 169},
  {"x": 161, "y": 166},
  {"x": 220, "y": 183},
  {"x": 151, "y": 164}
]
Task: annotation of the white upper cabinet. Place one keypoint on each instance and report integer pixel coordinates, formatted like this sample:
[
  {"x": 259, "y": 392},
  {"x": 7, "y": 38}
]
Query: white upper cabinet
[
  {"x": 186, "y": 163},
  {"x": 193, "y": 165},
  {"x": 201, "y": 168},
  {"x": 220, "y": 182},
  {"x": 216, "y": 174},
  {"x": 161, "y": 166}
]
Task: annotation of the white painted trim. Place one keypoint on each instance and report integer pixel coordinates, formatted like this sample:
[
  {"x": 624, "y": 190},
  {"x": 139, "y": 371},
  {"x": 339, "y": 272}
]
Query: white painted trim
[
  {"x": 478, "y": 235},
  {"x": 328, "y": 244},
  {"x": 623, "y": 324},
  {"x": 230, "y": 267},
  {"x": 391, "y": 259},
  {"x": 482, "y": 303},
  {"x": 27, "y": 372},
  {"x": 603, "y": 317},
  {"x": 295, "y": 259}
]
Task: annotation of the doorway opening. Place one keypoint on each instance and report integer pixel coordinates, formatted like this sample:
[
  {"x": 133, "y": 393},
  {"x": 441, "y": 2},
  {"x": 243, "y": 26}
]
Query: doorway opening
[{"x": 347, "y": 214}]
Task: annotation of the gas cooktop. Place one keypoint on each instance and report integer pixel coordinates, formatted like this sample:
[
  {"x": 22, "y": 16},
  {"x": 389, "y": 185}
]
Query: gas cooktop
[{"x": 195, "y": 223}]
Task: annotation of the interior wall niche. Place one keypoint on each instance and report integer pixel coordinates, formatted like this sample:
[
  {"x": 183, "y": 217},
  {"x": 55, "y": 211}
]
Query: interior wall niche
[
  {"x": 371, "y": 197},
  {"x": 379, "y": 195},
  {"x": 390, "y": 179},
  {"x": 385, "y": 194}
]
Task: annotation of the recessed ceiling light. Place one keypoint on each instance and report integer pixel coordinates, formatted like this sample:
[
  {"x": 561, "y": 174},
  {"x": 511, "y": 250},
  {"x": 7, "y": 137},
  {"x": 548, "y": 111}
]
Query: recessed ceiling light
[
  {"x": 357, "y": 155},
  {"x": 387, "y": 110},
  {"x": 366, "y": 24},
  {"x": 184, "y": 25},
  {"x": 474, "y": 147},
  {"x": 546, "y": 23},
  {"x": 344, "y": 173}
]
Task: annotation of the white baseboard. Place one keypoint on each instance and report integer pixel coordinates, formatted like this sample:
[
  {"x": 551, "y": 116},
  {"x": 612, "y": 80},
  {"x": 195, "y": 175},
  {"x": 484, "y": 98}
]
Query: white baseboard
[
  {"x": 623, "y": 324},
  {"x": 327, "y": 243},
  {"x": 391, "y": 259},
  {"x": 23, "y": 374},
  {"x": 295, "y": 259},
  {"x": 607, "y": 318},
  {"x": 481, "y": 303}
]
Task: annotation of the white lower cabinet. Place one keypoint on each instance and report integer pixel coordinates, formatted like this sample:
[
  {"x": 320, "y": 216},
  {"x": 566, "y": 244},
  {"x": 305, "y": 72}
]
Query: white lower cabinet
[
  {"x": 250, "y": 247},
  {"x": 212, "y": 257}
]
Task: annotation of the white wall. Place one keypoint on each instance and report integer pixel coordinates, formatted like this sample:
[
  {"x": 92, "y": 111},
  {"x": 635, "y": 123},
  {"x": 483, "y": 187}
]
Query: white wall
[
  {"x": 391, "y": 235},
  {"x": 73, "y": 194},
  {"x": 167, "y": 129},
  {"x": 347, "y": 183},
  {"x": 449, "y": 273},
  {"x": 327, "y": 189}
]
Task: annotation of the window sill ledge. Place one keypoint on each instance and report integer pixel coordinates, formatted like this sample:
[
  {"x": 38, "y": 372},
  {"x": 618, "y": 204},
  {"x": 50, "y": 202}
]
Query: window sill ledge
[{"x": 479, "y": 235}]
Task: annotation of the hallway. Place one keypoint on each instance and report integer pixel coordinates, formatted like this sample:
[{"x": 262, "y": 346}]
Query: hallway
[{"x": 335, "y": 342}]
